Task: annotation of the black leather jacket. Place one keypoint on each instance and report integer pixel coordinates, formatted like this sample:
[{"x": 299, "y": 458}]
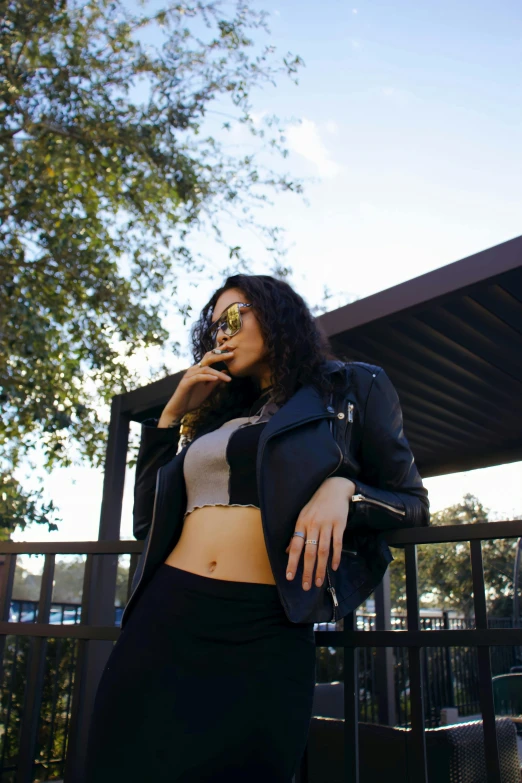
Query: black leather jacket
[{"x": 298, "y": 449}]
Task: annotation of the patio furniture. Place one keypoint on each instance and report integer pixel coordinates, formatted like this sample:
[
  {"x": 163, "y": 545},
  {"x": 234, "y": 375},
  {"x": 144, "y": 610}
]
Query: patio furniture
[
  {"x": 455, "y": 754},
  {"x": 507, "y": 693},
  {"x": 329, "y": 699}
]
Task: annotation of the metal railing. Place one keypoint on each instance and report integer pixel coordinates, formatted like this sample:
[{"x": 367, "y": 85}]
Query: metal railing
[
  {"x": 415, "y": 639},
  {"x": 451, "y": 675},
  {"x": 86, "y": 662},
  {"x": 347, "y": 638}
]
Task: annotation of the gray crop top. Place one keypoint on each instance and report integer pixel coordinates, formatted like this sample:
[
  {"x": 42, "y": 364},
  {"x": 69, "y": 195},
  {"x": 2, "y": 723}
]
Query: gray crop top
[{"x": 220, "y": 467}]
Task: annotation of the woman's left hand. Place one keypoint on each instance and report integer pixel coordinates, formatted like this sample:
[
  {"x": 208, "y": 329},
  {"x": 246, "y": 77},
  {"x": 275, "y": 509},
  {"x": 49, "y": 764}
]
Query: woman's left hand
[{"x": 325, "y": 515}]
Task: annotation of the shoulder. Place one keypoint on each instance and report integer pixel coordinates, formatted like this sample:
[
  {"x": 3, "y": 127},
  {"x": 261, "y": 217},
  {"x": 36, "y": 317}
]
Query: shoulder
[
  {"x": 358, "y": 373},
  {"x": 364, "y": 369},
  {"x": 367, "y": 386}
]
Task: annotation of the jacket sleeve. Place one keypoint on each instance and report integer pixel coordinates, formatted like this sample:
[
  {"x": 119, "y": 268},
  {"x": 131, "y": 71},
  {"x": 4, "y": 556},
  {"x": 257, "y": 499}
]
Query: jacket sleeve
[
  {"x": 158, "y": 446},
  {"x": 389, "y": 492}
]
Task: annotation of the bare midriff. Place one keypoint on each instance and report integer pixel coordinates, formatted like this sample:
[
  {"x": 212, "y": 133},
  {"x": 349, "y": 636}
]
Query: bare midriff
[{"x": 223, "y": 542}]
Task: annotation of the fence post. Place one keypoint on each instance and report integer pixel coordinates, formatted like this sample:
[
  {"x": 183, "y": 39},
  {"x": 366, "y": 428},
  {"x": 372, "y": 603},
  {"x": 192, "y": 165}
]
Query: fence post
[
  {"x": 351, "y": 704},
  {"x": 7, "y": 573},
  {"x": 385, "y": 671},
  {"x": 449, "y": 664},
  {"x": 487, "y": 705},
  {"x": 419, "y": 770},
  {"x": 516, "y": 586},
  {"x": 98, "y": 604},
  {"x": 34, "y": 683}
]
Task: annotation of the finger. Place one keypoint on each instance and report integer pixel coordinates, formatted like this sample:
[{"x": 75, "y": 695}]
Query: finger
[
  {"x": 210, "y": 358},
  {"x": 204, "y": 377},
  {"x": 323, "y": 550},
  {"x": 337, "y": 541},
  {"x": 207, "y": 373},
  {"x": 296, "y": 547},
  {"x": 310, "y": 556}
]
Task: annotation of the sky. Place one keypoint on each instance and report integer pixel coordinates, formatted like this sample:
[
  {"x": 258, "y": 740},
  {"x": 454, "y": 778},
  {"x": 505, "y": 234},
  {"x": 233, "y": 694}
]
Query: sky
[{"x": 410, "y": 127}]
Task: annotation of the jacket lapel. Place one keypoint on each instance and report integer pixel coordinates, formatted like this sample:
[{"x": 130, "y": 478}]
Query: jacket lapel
[{"x": 304, "y": 405}]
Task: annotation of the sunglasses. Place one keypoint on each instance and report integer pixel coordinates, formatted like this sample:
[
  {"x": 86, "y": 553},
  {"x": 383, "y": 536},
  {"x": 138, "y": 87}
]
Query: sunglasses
[{"x": 230, "y": 322}]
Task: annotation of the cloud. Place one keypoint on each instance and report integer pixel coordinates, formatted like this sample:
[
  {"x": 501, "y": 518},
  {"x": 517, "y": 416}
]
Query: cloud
[
  {"x": 306, "y": 141},
  {"x": 332, "y": 127}
]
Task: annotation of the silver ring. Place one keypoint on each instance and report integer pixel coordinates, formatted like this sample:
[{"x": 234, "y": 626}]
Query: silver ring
[
  {"x": 310, "y": 541},
  {"x": 301, "y": 535},
  {"x": 217, "y": 350},
  {"x": 199, "y": 364}
]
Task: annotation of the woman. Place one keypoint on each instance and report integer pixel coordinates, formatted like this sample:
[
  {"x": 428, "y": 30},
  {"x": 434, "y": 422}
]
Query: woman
[{"x": 251, "y": 538}]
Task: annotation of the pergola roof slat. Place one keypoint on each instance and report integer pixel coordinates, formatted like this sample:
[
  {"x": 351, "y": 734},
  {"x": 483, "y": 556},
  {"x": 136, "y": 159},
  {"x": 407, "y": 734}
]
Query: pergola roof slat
[
  {"x": 476, "y": 342},
  {"x": 449, "y": 340},
  {"x": 502, "y": 305},
  {"x": 450, "y": 354},
  {"x": 447, "y": 382}
]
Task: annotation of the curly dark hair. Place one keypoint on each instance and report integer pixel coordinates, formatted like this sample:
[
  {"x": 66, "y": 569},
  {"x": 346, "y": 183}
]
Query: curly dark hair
[{"x": 297, "y": 350}]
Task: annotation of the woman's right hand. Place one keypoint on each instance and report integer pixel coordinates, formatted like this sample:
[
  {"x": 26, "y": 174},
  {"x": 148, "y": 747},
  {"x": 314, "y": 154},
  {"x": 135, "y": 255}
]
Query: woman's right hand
[{"x": 196, "y": 385}]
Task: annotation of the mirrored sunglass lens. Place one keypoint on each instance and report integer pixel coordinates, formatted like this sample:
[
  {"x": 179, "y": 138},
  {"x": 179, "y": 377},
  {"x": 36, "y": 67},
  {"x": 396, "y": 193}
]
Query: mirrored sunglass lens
[
  {"x": 230, "y": 323},
  {"x": 233, "y": 319}
]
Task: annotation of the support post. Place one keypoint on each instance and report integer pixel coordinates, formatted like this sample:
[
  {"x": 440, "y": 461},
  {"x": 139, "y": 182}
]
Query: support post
[
  {"x": 385, "y": 669},
  {"x": 449, "y": 664},
  {"x": 351, "y": 705},
  {"x": 99, "y": 595}
]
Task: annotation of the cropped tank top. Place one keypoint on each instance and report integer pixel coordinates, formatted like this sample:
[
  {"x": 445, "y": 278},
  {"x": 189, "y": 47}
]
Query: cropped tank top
[{"x": 220, "y": 467}]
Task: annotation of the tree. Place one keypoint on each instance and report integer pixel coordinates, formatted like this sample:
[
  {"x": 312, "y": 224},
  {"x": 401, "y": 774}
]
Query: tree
[
  {"x": 18, "y": 506},
  {"x": 445, "y": 569},
  {"x": 107, "y": 170}
]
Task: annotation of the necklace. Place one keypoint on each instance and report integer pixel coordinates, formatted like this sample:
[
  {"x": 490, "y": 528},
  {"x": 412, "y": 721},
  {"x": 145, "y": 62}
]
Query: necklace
[
  {"x": 256, "y": 409},
  {"x": 260, "y": 402}
]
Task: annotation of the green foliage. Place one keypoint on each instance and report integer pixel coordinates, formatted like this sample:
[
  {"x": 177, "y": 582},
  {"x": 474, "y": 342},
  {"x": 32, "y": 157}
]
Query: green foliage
[
  {"x": 445, "y": 580},
  {"x": 18, "y": 506},
  {"x": 106, "y": 172}
]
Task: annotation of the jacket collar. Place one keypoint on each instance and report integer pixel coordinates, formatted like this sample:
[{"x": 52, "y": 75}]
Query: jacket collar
[{"x": 304, "y": 405}]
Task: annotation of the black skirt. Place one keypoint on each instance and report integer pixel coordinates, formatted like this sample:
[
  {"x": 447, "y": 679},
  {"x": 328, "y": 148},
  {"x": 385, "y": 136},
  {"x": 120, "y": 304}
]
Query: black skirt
[{"x": 208, "y": 681}]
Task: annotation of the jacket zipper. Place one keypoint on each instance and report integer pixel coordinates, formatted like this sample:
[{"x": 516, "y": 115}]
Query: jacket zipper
[
  {"x": 331, "y": 589},
  {"x": 148, "y": 545},
  {"x": 291, "y": 426},
  {"x": 338, "y": 464},
  {"x": 364, "y": 499}
]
